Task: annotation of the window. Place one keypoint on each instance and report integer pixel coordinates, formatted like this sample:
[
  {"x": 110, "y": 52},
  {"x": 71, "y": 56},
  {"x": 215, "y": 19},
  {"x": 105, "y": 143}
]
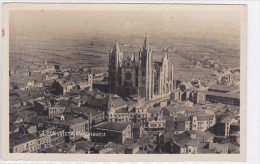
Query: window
[{"x": 152, "y": 125}]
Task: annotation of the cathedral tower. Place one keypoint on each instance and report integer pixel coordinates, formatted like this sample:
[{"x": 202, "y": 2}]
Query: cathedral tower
[
  {"x": 115, "y": 63},
  {"x": 145, "y": 72}
]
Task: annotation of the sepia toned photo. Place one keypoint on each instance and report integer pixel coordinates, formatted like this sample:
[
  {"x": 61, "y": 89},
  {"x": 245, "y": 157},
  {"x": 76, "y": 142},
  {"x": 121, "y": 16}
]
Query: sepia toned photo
[{"x": 150, "y": 80}]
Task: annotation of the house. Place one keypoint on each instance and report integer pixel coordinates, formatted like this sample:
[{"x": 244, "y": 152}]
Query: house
[
  {"x": 14, "y": 128},
  {"x": 85, "y": 146},
  {"x": 195, "y": 122},
  {"x": 141, "y": 114},
  {"x": 24, "y": 143},
  {"x": 132, "y": 149},
  {"x": 41, "y": 107},
  {"x": 57, "y": 109},
  {"x": 15, "y": 119},
  {"x": 116, "y": 103},
  {"x": 138, "y": 130},
  {"x": 189, "y": 141},
  {"x": 223, "y": 125},
  {"x": 113, "y": 132},
  {"x": 51, "y": 77},
  {"x": 51, "y": 137},
  {"x": 83, "y": 85},
  {"x": 61, "y": 148},
  {"x": 75, "y": 127},
  {"x": 94, "y": 116},
  {"x": 169, "y": 111},
  {"x": 213, "y": 148},
  {"x": 156, "y": 121},
  {"x": 117, "y": 110},
  {"x": 64, "y": 86},
  {"x": 119, "y": 115},
  {"x": 96, "y": 101},
  {"x": 40, "y": 121}
]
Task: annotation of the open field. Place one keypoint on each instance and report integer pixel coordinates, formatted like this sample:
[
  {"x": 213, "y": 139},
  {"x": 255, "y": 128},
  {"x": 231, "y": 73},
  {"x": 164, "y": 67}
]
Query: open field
[{"x": 85, "y": 50}]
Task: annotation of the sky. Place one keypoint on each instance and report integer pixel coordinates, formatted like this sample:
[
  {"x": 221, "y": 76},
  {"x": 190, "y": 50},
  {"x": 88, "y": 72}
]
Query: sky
[{"x": 152, "y": 22}]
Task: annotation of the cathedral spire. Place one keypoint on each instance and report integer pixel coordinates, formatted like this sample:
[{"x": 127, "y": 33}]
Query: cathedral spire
[
  {"x": 145, "y": 46},
  {"x": 116, "y": 47},
  {"x": 132, "y": 57}
]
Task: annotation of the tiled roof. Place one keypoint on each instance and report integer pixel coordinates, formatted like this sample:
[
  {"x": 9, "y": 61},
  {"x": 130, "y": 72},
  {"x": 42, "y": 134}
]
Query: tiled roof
[
  {"x": 36, "y": 120},
  {"x": 222, "y": 87},
  {"x": 185, "y": 139},
  {"x": 118, "y": 102},
  {"x": 87, "y": 111},
  {"x": 216, "y": 147},
  {"x": 154, "y": 109},
  {"x": 69, "y": 120},
  {"x": 22, "y": 139},
  {"x": 118, "y": 126},
  {"x": 83, "y": 145},
  {"x": 14, "y": 117},
  {"x": 205, "y": 117},
  {"x": 122, "y": 110},
  {"x": 97, "y": 102},
  {"x": 227, "y": 95}
]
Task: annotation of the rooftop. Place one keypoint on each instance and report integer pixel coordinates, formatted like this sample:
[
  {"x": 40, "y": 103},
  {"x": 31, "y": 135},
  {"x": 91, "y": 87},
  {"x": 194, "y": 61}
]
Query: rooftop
[
  {"x": 118, "y": 102},
  {"x": 117, "y": 126},
  {"x": 87, "y": 111},
  {"x": 226, "y": 95},
  {"x": 222, "y": 88},
  {"x": 22, "y": 139},
  {"x": 69, "y": 120},
  {"x": 185, "y": 138},
  {"x": 122, "y": 110}
]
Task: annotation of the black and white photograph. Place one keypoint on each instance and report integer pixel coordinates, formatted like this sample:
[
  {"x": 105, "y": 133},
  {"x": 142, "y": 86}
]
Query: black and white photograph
[{"x": 137, "y": 79}]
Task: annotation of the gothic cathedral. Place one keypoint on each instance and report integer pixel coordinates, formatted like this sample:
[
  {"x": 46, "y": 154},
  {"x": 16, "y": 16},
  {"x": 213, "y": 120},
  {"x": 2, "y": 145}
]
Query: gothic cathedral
[{"x": 144, "y": 77}]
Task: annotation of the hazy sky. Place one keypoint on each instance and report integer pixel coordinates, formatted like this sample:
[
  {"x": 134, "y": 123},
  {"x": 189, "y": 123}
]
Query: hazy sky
[{"x": 125, "y": 22}]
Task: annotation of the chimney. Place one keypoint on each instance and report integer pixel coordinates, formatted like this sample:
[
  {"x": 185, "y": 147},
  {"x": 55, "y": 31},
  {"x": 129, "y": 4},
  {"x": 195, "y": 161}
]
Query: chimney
[
  {"x": 62, "y": 117},
  {"x": 193, "y": 136}
]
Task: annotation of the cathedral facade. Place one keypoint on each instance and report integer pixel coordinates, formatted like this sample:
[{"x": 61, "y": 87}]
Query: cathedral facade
[{"x": 144, "y": 77}]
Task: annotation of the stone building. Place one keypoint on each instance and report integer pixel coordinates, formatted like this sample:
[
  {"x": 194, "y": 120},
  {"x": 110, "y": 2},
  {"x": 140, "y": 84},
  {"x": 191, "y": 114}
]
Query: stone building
[
  {"x": 149, "y": 79},
  {"x": 113, "y": 132}
]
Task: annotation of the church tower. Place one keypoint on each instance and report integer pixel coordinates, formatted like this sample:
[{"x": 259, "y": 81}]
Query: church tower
[
  {"x": 115, "y": 63},
  {"x": 145, "y": 72}
]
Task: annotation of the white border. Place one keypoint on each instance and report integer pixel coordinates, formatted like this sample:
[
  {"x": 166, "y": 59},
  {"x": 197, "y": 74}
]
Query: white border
[{"x": 252, "y": 67}]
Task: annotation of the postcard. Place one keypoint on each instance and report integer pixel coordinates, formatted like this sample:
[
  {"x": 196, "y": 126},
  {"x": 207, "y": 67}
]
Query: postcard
[{"x": 123, "y": 82}]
